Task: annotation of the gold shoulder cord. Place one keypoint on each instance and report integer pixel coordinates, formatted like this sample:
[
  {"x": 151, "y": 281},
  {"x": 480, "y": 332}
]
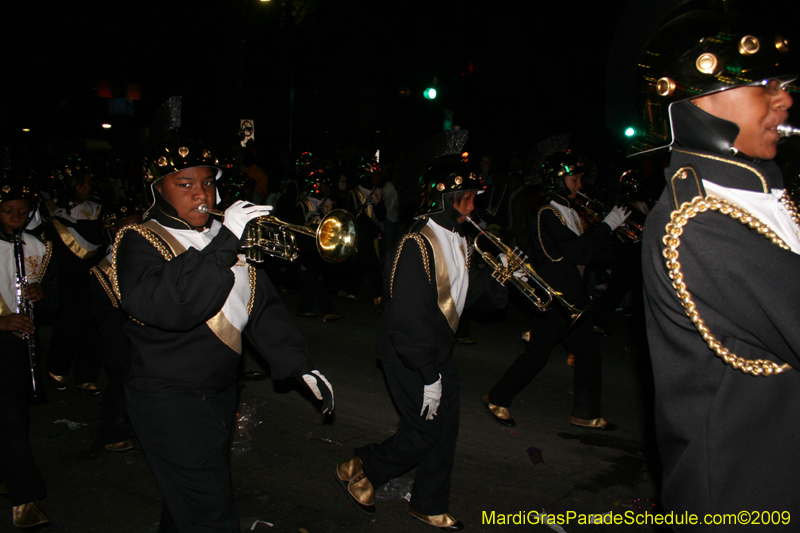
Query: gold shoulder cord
[
  {"x": 425, "y": 261},
  {"x": 251, "y": 270},
  {"x": 674, "y": 229},
  {"x": 48, "y": 252},
  {"x": 539, "y": 228},
  {"x": 103, "y": 283},
  {"x": 151, "y": 238},
  {"x": 166, "y": 254}
]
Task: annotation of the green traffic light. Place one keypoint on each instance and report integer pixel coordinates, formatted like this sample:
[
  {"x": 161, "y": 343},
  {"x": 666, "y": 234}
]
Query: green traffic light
[
  {"x": 429, "y": 93},
  {"x": 630, "y": 132}
]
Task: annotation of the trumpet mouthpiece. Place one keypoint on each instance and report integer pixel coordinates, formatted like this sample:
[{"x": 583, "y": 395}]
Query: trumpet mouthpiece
[
  {"x": 787, "y": 130},
  {"x": 203, "y": 208}
]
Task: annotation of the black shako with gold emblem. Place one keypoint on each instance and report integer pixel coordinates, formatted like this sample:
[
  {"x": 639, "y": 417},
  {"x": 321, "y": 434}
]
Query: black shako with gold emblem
[{"x": 698, "y": 53}]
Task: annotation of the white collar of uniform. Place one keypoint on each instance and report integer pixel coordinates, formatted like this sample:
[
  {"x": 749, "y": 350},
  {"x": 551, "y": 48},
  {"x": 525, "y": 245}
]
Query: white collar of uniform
[
  {"x": 86, "y": 210},
  {"x": 571, "y": 217},
  {"x": 766, "y": 207},
  {"x": 196, "y": 239}
]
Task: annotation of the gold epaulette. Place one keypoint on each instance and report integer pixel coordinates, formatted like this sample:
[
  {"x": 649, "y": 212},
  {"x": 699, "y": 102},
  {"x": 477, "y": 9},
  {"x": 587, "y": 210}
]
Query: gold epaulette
[
  {"x": 539, "y": 228},
  {"x": 420, "y": 240},
  {"x": 674, "y": 229}
]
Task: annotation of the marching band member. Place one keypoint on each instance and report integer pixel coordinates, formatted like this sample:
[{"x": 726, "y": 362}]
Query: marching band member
[
  {"x": 77, "y": 236},
  {"x": 18, "y": 470},
  {"x": 720, "y": 259},
  {"x": 366, "y": 204},
  {"x": 191, "y": 298},
  {"x": 109, "y": 321},
  {"x": 561, "y": 247},
  {"x": 428, "y": 285}
]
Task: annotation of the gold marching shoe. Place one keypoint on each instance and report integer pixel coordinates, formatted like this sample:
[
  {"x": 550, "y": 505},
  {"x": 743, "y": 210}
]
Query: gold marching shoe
[
  {"x": 332, "y": 317},
  {"x": 501, "y": 415},
  {"x": 58, "y": 382},
  {"x": 445, "y": 521},
  {"x": 120, "y": 447},
  {"x": 88, "y": 388},
  {"x": 599, "y": 424},
  {"x": 350, "y": 475},
  {"x": 30, "y": 519}
]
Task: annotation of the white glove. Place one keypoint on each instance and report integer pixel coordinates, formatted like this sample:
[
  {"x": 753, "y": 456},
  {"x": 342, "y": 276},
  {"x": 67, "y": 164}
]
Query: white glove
[
  {"x": 240, "y": 213},
  {"x": 518, "y": 273},
  {"x": 503, "y": 259},
  {"x": 321, "y": 388},
  {"x": 616, "y": 217},
  {"x": 431, "y": 398}
]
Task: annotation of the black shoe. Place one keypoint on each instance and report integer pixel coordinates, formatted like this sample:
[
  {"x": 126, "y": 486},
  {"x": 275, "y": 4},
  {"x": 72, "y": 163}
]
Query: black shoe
[
  {"x": 499, "y": 414},
  {"x": 445, "y": 521}
]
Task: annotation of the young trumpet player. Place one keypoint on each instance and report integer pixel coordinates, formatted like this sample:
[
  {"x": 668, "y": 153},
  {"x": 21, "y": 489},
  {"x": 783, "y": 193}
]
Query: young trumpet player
[
  {"x": 18, "y": 470},
  {"x": 193, "y": 297},
  {"x": 560, "y": 249},
  {"x": 428, "y": 283}
]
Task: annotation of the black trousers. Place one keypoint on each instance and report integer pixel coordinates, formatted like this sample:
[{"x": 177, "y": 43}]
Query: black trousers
[
  {"x": 626, "y": 275},
  {"x": 312, "y": 289},
  {"x": 365, "y": 265},
  {"x": 430, "y": 445},
  {"x": 75, "y": 343},
  {"x": 186, "y": 440},
  {"x": 18, "y": 470},
  {"x": 547, "y": 330},
  {"x": 116, "y": 360}
]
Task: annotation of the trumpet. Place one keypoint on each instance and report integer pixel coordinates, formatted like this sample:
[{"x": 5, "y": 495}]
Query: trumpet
[
  {"x": 517, "y": 261},
  {"x": 631, "y": 230},
  {"x": 787, "y": 130},
  {"x": 335, "y": 236}
]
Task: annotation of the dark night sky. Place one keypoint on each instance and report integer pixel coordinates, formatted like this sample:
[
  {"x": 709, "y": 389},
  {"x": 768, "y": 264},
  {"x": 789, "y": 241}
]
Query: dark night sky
[{"x": 511, "y": 72}]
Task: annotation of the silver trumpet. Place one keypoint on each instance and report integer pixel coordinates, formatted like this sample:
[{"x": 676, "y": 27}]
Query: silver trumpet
[
  {"x": 787, "y": 130},
  {"x": 517, "y": 261},
  {"x": 265, "y": 236}
]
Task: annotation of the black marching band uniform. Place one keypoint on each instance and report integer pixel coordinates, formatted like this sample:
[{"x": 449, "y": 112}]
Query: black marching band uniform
[
  {"x": 109, "y": 321},
  {"x": 77, "y": 236},
  {"x": 427, "y": 286},
  {"x": 726, "y": 378},
  {"x": 365, "y": 203},
  {"x": 18, "y": 470},
  {"x": 192, "y": 297},
  {"x": 560, "y": 249}
]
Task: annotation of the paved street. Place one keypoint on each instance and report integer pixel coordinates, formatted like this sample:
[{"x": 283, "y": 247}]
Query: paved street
[{"x": 285, "y": 450}]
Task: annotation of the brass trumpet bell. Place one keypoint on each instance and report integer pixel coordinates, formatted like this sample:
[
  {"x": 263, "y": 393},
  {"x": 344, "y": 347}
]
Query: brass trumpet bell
[{"x": 335, "y": 237}]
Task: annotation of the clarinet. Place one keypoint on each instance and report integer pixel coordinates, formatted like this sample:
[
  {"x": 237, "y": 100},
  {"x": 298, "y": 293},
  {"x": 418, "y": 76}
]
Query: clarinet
[{"x": 25, "y": 307}]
